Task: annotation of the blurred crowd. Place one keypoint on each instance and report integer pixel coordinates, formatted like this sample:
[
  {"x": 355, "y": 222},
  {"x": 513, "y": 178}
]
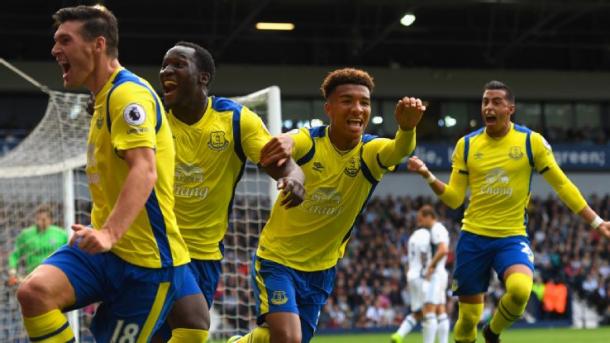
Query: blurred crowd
[
  {"x": 572, "y": 265},
  {"x": 572, "y": 280}
]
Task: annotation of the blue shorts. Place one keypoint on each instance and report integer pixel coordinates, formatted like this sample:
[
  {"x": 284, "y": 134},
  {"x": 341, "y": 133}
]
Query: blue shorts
[
  {"x": 476, "y": 255},
  {"x": 278, "y": 288},
  {"x": 207, "y": 274},
  {"x": 135, "y": 300}
]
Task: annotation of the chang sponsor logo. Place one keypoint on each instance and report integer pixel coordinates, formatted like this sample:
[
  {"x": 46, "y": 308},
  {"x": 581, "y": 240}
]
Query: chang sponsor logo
[
  {"x": 497, "y": 183},
  {"x": 323, "y": 201},
  {"x": 188, "y": 182}
]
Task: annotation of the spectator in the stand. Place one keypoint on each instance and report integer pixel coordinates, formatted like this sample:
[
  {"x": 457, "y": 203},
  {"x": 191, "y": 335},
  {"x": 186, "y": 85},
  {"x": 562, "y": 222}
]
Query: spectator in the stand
[
  {"x": 573, "y": 260},
  {"x": 554, "y": 299},
  {"x": 34, "y": 244}
]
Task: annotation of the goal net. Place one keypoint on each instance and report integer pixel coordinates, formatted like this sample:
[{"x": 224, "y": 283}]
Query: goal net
[{"x": 47, "y": 168}]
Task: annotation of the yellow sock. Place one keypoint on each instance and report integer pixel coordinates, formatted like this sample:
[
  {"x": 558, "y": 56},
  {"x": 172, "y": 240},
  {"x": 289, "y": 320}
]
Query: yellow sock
[
  {"x": 51, "y": 327},
  {"x": 259, "y": 335},
  {"x": 188, "y": 336},
  {"x": 513, "y": 303},
  {"x": 465, "y": 329}
]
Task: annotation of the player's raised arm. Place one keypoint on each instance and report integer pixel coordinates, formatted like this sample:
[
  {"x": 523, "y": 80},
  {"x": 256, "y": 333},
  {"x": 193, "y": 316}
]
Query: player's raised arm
[
  {"x": 565, "y": 189},
  {"x": 452, "y": 193}
]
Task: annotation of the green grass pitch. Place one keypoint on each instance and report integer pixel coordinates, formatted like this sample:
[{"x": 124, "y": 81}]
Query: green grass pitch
[
  {"x": 553, "y": 335},
  {"x": 564, "y": 335}
]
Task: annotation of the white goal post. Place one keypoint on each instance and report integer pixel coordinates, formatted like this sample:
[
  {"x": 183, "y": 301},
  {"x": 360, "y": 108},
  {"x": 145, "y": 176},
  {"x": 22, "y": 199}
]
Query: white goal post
[{"x": 47, "y": 167}]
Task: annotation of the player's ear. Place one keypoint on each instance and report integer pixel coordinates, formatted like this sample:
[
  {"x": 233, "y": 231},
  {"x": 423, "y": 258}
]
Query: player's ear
[
  {"x": 204, "y": 78},
  {"x": 100, "y": 44}
]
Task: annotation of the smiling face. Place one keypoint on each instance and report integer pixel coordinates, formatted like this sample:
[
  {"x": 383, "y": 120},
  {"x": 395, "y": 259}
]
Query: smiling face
[
  {"x": 349, "y": 110},
  {"x": 496, "y": 111},
  {"x": 180, "y": 77},
  {"x": 75, "y": 55}
]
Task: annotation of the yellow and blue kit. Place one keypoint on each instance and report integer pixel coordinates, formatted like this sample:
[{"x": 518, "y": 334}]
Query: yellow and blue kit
[
  {"x": 138, "y": 279},
  {"x": 299, "y": 247},
  {"x": 499, "y": 172}
]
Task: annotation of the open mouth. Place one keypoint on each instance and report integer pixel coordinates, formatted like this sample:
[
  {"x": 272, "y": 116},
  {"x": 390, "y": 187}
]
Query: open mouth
[
  {"x": 169, "y": 87},
  {"x": 490, "y": 119},
  {"x": 65, "y": 68},
  {"x": 355, "y": 123}
]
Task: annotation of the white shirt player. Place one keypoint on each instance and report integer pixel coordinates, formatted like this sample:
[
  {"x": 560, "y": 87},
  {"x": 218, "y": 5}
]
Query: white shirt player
[
  {"x": 420, "y": 253},
  {"x": 438, "y": 235}
]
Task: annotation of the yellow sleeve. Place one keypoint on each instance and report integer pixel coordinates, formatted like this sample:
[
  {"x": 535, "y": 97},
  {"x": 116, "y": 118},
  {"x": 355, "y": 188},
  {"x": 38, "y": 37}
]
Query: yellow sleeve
[
  {"x": 254, "y": 134},
  {"x": 133, "y": 116},
  {"x": 382, "y": 155},
  {"x": 302, "y": 143},
  {"x": 545, "y": 164},
  {"x": 455, "y": 189},
  {"x": 394, "y": 150}
]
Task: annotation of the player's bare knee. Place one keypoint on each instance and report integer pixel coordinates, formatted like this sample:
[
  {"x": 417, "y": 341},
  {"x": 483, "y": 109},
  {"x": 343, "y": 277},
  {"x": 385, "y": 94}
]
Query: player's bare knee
[
  {"x": 190, "y": 312},
  {"x": 32, "y": 292}
]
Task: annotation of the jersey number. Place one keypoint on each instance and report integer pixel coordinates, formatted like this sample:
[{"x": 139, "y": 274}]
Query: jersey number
[
  {"x": 526, "y": 250},
  {"x": 125, "y": 333}
]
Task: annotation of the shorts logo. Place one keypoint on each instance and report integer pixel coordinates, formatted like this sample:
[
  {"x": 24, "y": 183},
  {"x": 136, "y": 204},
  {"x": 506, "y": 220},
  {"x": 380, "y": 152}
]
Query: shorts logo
[
  {"x": 515, "y": 153},
  {"x": 217, "y": 141},
  {"x": 134, "y": 114},
  {"x": 279, "y": 298}
]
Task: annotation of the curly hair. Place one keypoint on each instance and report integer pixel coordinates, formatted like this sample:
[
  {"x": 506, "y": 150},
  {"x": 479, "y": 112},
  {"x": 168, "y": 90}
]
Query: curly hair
[{"x": 346, "y": 76}]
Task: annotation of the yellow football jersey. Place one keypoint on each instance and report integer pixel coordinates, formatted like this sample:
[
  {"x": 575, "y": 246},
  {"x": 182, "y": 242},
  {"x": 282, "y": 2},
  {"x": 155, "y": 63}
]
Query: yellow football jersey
[
  {"x": 499, "y": 174},
  {"x": 210, "y": 159},
  {"x": 128, "y": 114},
  {"x": 313, "y": 235}
]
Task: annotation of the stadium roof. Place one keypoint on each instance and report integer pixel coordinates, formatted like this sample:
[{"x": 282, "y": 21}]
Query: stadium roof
[{"x": 508, "y": 34}]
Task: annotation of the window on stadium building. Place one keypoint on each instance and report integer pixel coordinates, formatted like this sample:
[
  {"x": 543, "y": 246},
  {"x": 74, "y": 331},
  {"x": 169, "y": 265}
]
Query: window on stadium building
[
  {"x": 458, "y": 117},
  {"x": 296, "y": 114},
  {"x": 559, "y": 120},
  {"x": 588, "y": 115},
  {"x": 529, "y": 114}
]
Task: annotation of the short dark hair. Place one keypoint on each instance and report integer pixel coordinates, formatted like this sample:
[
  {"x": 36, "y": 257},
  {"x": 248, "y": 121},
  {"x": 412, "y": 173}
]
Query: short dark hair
[
  {"x": 98, "y": 21},
  {"x": 498, "y": 85},
  {"x": 346, "y": 76},
  {"x": 428, "y": 211},
  {"x": 44, "y": 208},
  {"x": 205, "y": 61}
]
